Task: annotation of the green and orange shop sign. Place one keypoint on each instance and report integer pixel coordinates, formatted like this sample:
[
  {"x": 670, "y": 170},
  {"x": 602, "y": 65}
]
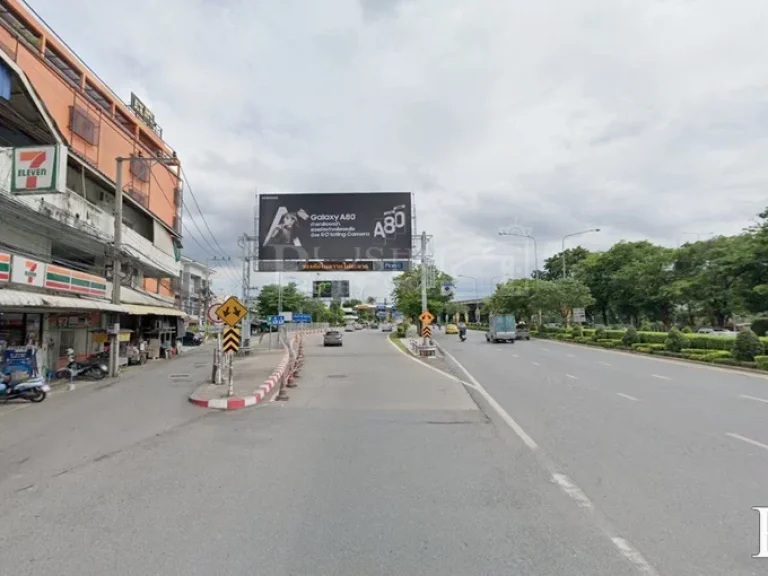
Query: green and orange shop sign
[
  {"x": 5, "y": 267},
  {"x": 66, "y": 280}
]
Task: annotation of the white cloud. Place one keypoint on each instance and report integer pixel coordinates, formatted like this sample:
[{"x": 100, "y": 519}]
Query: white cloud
[{"x": 644, "y": 118}]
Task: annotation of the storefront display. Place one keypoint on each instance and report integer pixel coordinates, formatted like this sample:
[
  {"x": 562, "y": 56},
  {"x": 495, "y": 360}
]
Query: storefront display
[{"x": 67, "y": 331}]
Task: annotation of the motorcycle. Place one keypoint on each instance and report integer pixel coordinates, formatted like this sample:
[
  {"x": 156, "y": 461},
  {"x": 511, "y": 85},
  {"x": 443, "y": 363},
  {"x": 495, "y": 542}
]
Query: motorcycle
[
  {"x": 32, "y": 389},
  {"x": 462, "y": 335},
  {"x": 95, "y": 369}
]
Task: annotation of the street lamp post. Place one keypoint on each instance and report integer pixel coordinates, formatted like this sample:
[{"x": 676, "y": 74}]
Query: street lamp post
[
  {"x": 570, "y": 236},
  {"x": 535, "y": 246},
  {"x": 535, "y": 256},
  {"x": 477, "y": 297},
  {"x": 117, "y": 270}
]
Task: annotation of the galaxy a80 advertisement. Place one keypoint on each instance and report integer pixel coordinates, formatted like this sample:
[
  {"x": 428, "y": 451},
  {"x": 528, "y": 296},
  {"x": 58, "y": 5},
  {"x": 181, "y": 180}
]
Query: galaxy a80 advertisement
[{"x": 335, "y": 227}]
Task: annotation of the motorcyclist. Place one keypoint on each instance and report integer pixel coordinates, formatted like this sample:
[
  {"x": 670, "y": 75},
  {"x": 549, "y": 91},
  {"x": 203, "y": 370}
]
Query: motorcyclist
[{"x": 462, "y": 330}]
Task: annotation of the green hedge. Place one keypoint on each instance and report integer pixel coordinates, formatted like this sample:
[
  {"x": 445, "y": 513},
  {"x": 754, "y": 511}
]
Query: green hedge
[
  {"x": 703, "y": 348},
  {"x": 697, "y": 341}
]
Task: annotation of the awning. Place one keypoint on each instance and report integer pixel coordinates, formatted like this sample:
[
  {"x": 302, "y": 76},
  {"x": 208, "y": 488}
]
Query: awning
[
  {"x": 23, "y": 299},
  {"x": 135, "y": 310}
]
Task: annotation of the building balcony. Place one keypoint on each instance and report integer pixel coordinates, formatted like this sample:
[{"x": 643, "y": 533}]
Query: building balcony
[{"x": 58, "y": 214}]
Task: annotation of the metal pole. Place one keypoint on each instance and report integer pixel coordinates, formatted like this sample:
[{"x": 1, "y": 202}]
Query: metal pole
[
  {"x": 117, "y": 272},
  {"x": 562, "y": 255},
  {"x": 219, "y": 358},
  {"x": 280, "y": 293},
  {"x": 477, "y": 304},
  {"x": 424, "y": 274},
  {"x": 230, "y": 374}
]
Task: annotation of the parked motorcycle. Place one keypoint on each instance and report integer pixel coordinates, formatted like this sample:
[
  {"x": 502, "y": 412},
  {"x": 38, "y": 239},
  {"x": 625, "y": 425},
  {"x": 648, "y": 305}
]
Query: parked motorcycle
[
  {"x": 32, "y": 389},
  {"x": 95, "y": 369}
]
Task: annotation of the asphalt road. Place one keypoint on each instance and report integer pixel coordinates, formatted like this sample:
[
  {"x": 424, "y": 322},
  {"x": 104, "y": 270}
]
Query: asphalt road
[
  {"x": 673, "y": 455},
  {"x": 376, "y": 465}
]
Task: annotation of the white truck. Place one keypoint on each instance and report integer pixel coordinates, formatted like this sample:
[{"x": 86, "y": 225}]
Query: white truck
[{"x": 501, "y": 328}]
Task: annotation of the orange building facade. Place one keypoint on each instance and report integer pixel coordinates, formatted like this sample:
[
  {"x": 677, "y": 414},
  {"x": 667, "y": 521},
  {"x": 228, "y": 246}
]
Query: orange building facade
[{"x": 97, "y": 127}]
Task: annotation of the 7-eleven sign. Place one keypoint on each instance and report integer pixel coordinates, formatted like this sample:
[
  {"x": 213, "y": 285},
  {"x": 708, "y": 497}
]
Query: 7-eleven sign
[
  {"x": 34, "y": 169},
  {"x": 27, "y": 272}
]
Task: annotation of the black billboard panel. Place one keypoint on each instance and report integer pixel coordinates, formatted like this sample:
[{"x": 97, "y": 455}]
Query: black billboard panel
[
  {"x": 333, "y": 266},
  {"x": 330, "y": 289},
  {"x": 335, "y": 226}
]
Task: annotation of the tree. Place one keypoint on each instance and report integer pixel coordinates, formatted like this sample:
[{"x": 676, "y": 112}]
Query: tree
[
  {"x": 561, "y": 297},
  {"x": 553, "y": 266},
  {"x": 269, "y": 297},
  {"x": 709, "y": 276},
  {"x": 406, "y": 293},
  {"x": 513, "y": 297}
]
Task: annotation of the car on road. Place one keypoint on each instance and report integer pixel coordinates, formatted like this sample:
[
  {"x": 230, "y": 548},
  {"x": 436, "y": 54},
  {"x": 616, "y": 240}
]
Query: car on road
[
  {"x": 451, "y": 329},
  {"x": 332, "y": 338},
  {"x": 521, "y": 331},
  {"x": 386, "y": 327},
  {"x": 349, "y": 328}
]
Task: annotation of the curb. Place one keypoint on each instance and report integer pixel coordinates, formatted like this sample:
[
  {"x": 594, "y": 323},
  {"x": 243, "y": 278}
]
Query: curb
[{"x": 239, "y": 402}]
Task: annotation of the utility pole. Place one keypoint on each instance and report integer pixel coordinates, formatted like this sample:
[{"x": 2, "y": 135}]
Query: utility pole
[
  {"x": 424, "y": 274},
  {"x": 117, "y": 271}
]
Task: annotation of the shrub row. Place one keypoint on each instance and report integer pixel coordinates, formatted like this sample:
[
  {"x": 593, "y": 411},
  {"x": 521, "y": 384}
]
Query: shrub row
[{"x": 703, "y": 348}]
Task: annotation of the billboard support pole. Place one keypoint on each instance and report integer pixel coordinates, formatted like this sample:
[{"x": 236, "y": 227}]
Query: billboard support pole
[{"x": 424, "y": 275}]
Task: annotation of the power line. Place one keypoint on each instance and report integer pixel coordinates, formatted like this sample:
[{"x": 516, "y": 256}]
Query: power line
[{"x": 194, "y": 199}]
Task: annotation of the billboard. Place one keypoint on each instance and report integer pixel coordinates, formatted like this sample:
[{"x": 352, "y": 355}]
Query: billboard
[
  {"x": 330, "y": 289},
  {"x": 332, "y": 266},
  {"x": 368, "y": 226}
]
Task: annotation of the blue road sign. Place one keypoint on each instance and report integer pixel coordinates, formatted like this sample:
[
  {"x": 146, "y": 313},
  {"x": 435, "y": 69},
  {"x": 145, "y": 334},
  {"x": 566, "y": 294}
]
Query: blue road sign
[
  {"x": 302, "y": 318},
  {"x": 393, "y": 266},
  {"x": 276, "y": 320}
]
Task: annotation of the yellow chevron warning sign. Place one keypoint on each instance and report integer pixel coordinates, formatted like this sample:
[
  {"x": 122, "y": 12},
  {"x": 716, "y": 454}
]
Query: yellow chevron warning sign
[
  {"x": 230, "y": 339},
  {"x": 426, "y": 331}
]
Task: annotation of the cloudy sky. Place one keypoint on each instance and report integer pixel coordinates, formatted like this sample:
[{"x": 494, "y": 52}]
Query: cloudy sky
[{"x": 644, "y": 118}]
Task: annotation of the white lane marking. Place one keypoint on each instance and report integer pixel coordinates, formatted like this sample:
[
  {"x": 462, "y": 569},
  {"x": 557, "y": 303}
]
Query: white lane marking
[
  {"x": 535, "y": 363},
  {"x": 604, "y": 363},
  {"x": 633, "y": 555},
  {"x": 755, "y": 398},
  {"x": 627, "y": 396},
  {"x": 420, "y": 363},
  {"x": 570, "y": 355},
  {"x": 747, "y": 440},
  {"x": 508, "y": 420},
  {"x": 571, "y": 376},
  {"x": 514, "y": 356},
  {"x": 629, "y": 552},
  {"x": 545, "y": 349},
  {"x": 660, "y": 377},
  {"x": 572, "y": 490}
]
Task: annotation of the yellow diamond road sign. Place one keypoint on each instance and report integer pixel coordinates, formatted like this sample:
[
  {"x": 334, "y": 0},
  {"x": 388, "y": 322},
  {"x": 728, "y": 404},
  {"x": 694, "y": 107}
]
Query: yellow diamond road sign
[
  {"x": 426, "y": 317},
  {"x": 232, "y": 311},
  {"x": 230, "y": 339}
]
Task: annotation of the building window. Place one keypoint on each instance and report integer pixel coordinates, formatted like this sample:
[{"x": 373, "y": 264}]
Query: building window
[
  {"x": 17, "y": 25},
  {"x": 140, "y": 168},
  {"x": 96, "y": 95},
  {"x": 11, "y": 329},
  {"x": 83, "y": 126},
  {"x": 59, "y": 62},
  {"x": 139, "y": 197}
]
